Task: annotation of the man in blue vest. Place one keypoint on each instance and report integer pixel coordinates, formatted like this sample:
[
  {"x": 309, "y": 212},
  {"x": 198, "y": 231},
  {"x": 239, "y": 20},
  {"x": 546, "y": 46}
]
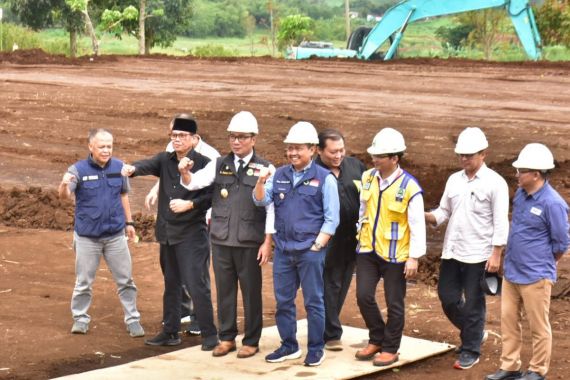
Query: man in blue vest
[
  {"x": 102, "y": 214},
  {"x": 306, "y": 202}
]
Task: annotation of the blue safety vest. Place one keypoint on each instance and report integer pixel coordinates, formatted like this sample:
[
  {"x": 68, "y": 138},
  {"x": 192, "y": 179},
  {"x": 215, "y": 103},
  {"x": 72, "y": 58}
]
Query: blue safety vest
[
  {"x": 98, "y": 210},
  {"x": 299, "y": 211}
]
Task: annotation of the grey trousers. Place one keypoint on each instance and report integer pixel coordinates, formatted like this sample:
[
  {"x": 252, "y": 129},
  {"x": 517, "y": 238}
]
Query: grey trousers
[{"x": 88, "y": 253}]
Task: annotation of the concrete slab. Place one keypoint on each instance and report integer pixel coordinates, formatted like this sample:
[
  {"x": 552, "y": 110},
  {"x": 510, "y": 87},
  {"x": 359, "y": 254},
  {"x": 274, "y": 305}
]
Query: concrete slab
[{"x": 192, "y": 363}]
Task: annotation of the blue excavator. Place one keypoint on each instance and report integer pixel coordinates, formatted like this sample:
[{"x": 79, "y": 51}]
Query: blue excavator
[{"x": 364, "y": 42}]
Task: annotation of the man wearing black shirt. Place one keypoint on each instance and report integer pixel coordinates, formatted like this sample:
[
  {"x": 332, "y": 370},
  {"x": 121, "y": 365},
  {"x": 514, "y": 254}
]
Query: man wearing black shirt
[
  {"x": 340, "y": 259},
  {"x": 182, "y": 233}
]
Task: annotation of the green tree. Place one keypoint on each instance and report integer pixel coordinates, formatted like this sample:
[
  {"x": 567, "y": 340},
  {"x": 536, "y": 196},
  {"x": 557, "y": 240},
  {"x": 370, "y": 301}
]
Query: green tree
[
  {"x": 154, "y": 22},
  {"x": 454, "y": 38},
  {"x": 293, "y": 29},
  {"x": 39, "y": 14},
  {"x": 553, "y": 21},
  {"x": 81, "y": 7},
  {"x": 487, "y": 25}
]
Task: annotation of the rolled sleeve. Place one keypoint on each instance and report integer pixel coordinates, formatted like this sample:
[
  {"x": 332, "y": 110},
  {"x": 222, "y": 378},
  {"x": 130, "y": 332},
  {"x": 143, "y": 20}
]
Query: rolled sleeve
[
  {"x": 500, "y": 215},
  {"x": 268, "y": 194},
  {"x": 270, "y": 219},
  {"x": 417, "y": 223},
  {"x": 558, "y": 219},
  {"x": 202, "y": 178},
  {"x": 331, "y": 205}
]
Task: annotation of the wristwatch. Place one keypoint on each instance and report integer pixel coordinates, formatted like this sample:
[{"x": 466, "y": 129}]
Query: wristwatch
[
  {"x": 318, "y": 245},
  {"x": 130, "y": 224}
]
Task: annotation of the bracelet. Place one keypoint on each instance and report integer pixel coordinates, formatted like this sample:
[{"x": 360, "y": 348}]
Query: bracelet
[
  {"x": 130, "y": 224},
  {"x": 318, "y": 245}
]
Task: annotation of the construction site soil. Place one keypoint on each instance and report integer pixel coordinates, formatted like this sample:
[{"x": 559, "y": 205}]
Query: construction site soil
[{"x": 50, "y": 102}]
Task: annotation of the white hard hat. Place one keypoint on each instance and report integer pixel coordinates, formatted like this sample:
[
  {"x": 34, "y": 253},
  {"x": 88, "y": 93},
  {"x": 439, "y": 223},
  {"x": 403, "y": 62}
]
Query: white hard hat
[
  {"x": 243, "y": 122},
  {"x": 302, "y": 133},
  {"x": 470, "y": 141},
  {"x": 387, "y": 141},
  {"x": 535, "y": 156}
]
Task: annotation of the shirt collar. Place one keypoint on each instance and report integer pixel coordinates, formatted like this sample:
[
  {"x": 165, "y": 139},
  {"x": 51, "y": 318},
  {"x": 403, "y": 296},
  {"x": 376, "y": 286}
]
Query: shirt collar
[
  {"x": 304, "y": 170},
  {"x": 481, "y": 173},
  {"x": 245, "y": 160},
  {"x": 392, "y": 177},
  {"x": 537, "y": 194}
]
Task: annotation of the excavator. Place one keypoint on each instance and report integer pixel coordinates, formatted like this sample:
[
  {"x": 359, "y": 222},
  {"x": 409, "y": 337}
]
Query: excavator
[{"x": 364, "y": 42}]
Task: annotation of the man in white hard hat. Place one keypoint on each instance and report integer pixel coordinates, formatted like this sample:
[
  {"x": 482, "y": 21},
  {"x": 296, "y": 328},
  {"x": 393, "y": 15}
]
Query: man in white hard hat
[
  {"x": 200, "y": 146},
  {"x": 306, "y": 202},
  {"x": 240, "y": 232},
  {"x": 340, "y": 258},
  {"x": 476, "y": 204},
  {"x": 391, "y": 238},
  {"x": 537, "y": 240}
]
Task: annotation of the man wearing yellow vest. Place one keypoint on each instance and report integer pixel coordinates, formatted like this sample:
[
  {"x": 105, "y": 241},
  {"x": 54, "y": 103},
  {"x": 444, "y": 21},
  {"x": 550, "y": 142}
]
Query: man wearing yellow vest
[{"x": 391, "y": 238}]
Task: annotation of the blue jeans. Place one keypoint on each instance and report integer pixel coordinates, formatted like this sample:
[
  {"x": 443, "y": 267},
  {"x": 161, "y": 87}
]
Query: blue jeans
[
  {"x": 88, "y": 253},
  {"x": 291, "y": 269},
  {"x": 463, "y": 300}
]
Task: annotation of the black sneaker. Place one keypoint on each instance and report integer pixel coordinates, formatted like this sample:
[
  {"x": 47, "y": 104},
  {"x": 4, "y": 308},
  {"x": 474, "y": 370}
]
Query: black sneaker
[
  {"x": 164, "y": 339},
  {"x": 466, "y": 360},
  {"x": 193, "y": 328}
]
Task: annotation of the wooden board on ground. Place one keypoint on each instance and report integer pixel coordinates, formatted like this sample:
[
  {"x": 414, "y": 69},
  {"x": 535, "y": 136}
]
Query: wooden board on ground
[{"x": 192, "y": 363}]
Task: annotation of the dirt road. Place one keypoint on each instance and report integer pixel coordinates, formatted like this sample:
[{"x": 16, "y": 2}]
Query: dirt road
[{"x": 49, "y": 103}]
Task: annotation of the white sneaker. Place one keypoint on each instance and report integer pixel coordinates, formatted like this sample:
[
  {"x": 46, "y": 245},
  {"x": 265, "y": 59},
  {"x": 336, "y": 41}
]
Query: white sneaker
[{"x": 186, "y": 319}]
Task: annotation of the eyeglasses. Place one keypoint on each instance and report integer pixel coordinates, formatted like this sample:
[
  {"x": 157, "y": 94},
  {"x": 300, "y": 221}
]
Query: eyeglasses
[
  {"x": 523, "y": 171},
  {"x": 381, "y": 155},
  {"x": 466, "y": 156},
  {"x": 240, "y": 138},
  {"x": 180, "y": 136}
]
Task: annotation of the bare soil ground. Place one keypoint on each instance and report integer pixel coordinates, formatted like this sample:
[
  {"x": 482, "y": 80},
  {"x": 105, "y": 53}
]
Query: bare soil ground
[{"x": 50, "y": 102}]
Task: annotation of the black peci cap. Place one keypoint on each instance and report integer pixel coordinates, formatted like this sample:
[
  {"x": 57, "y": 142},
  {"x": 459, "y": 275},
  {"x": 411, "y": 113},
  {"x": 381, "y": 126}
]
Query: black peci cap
[{"x": 185, "y": 122}]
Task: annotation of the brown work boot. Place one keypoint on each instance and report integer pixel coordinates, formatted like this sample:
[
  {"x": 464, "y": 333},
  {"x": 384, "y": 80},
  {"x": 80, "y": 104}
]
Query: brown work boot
[
  {"x": 224, "y": 347},
  {"x": 385, "y": 358},
  {"x": 368, "y": 352},
  {"x": 247, "y": 351}
]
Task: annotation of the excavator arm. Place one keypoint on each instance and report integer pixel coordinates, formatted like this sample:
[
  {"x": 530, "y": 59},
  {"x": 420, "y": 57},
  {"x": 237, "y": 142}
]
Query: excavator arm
[
  {"x": 394, "y": 22},
  {"x": 396, "y": 19}
]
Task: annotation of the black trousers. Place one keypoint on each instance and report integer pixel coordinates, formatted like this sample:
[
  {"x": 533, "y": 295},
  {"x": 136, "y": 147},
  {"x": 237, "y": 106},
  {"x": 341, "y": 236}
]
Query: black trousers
[
  {"x": 233, "y": 265},
  {"x": 369, "y": 270},
  {"x": 187, "y": 264},
  {"x": 337, "y": 277},
  {"x": 187, "y": 306},
  {"x": 463, "y": 300}
]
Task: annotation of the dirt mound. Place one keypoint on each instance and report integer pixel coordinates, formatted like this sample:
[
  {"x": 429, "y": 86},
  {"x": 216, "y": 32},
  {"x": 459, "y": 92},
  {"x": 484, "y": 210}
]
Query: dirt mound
[
  {"x": 38, "y": 56},
  {"x": 37, "y": 208}
]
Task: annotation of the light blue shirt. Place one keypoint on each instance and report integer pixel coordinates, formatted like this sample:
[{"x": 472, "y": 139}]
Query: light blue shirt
[
  {"x": 539, "y": 232},
  {"x": 331, "y": 204}
]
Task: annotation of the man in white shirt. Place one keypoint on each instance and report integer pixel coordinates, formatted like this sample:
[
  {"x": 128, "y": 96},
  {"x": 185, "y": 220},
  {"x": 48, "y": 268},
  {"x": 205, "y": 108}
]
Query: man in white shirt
[
  {"x": 200, "y": 146},
  {"x": 476, "y": 204}
]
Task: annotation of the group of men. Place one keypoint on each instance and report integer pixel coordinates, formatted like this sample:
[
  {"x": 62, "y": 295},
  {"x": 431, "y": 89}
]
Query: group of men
[{"x": 325, "y": 216}]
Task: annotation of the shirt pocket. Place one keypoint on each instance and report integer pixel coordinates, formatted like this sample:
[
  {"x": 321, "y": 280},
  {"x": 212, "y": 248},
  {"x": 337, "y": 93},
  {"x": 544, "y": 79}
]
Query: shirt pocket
[
  {"x": 307, "y": 190},
  {"x": 397, "y": 212},
  {"x": 481, "y": 202}
]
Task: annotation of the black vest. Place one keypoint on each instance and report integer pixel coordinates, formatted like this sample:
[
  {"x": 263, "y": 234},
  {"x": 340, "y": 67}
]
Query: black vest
[{"x": 236, "y": 220}]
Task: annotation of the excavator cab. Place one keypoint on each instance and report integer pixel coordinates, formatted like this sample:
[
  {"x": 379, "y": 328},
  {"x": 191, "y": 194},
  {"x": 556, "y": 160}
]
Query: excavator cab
[{"x": 364, "y": 43}]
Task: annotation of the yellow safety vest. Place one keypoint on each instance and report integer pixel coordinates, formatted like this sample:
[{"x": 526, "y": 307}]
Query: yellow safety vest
[{"x": 384, "y": 226}]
